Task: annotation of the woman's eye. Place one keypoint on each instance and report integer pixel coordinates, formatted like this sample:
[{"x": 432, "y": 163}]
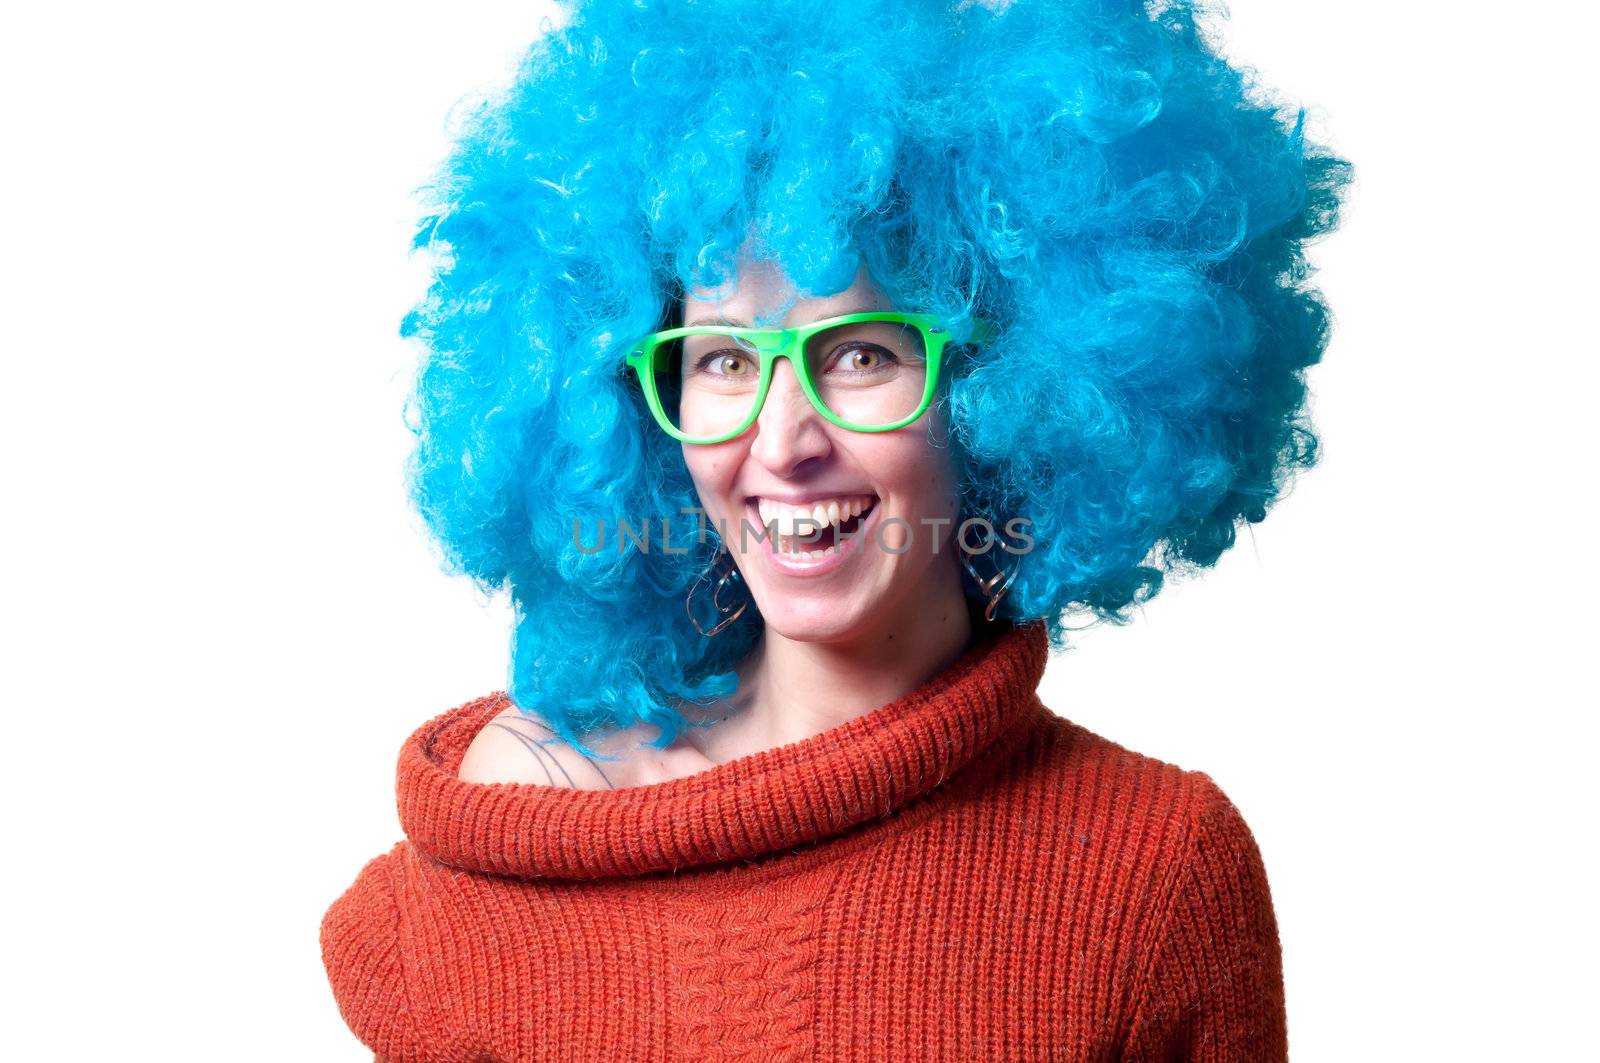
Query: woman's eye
[
  {"x": 862, "y": 358},
  {"x": 724, "y": 363}
]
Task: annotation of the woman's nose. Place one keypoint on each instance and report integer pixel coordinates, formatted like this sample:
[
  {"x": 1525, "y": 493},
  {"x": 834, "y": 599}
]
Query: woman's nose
[{"x": 788, "y": 430}]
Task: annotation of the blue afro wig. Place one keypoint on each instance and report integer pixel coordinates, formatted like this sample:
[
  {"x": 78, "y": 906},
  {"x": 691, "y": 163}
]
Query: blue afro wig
[{"x": 1090, "y": 175}]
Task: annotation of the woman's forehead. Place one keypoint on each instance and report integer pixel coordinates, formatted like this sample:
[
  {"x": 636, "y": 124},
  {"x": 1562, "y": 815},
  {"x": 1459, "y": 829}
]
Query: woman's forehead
[{"x": 760, "y": 293}]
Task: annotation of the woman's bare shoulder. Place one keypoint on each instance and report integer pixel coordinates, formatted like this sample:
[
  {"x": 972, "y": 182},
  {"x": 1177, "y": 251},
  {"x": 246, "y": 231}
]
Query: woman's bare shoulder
[{"x": 515, "y": 748}]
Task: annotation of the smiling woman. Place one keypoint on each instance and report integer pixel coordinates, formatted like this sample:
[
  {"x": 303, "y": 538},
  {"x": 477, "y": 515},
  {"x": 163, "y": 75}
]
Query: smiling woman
[
  {"x": 854, "y": 608},
  {"x": 787, "y": 791}
]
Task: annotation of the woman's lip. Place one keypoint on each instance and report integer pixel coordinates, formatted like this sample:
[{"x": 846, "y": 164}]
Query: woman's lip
[{"x": 753, "y": 500}]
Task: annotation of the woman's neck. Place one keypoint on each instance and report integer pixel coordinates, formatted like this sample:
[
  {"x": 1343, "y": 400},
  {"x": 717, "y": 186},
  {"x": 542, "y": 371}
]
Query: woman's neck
[{"x": 790, "y": 690}]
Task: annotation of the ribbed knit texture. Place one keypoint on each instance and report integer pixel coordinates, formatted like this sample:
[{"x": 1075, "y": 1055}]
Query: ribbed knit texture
[{"x": 959, "y": 875}]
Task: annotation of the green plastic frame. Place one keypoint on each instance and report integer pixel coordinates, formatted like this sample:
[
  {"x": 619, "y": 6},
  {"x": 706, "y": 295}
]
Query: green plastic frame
[{"x": 791, "y": 344}]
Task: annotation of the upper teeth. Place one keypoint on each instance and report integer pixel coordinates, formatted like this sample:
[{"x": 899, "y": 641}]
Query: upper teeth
[{"x": 800, "y": 520}]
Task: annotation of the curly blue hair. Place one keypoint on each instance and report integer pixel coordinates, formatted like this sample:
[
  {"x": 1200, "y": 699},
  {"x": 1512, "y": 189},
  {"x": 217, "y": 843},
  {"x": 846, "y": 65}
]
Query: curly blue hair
[{"x": 1127, "y": 207}]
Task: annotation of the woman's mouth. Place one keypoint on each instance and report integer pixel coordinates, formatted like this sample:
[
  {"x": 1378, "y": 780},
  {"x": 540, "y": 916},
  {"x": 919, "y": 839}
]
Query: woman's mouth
[{"x": 810, "y": 534}]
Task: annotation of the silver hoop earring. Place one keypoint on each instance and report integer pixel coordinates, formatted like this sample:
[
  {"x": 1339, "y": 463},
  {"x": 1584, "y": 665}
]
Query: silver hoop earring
[
  {"x": 723, "y": 571},
  {"x": 994, "y": 587}
]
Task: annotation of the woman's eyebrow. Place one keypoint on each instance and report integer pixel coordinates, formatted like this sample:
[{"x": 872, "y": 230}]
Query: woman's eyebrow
[{"x": 730, "y": 323}]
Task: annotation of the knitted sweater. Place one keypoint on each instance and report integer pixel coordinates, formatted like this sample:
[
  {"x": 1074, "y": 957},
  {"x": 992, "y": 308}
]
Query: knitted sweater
[{"x": 958, "y": 875}]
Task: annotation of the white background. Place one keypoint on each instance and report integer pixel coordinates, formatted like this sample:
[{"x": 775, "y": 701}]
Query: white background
[{"x": 222, "y": 620}]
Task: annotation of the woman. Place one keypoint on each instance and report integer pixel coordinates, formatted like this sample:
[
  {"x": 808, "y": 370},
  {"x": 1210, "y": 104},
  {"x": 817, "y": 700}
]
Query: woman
[{"x": 800, "y": 369}]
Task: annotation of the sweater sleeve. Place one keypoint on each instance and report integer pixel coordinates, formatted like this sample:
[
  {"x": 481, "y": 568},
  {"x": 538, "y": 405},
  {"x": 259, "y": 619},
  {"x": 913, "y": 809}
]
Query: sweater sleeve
[
  {"x": 361, "y": 951},
  {"x": 1213, "y": 986}
]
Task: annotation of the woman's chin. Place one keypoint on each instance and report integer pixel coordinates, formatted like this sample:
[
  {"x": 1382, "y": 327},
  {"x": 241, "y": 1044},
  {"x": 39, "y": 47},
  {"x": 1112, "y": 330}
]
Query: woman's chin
[{"x": 816, "y": 618}]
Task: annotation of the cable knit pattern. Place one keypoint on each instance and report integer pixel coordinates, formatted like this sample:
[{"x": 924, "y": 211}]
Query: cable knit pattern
[
  {"x": 742, "y": 980},
  {"x": 958, "y": 875}
]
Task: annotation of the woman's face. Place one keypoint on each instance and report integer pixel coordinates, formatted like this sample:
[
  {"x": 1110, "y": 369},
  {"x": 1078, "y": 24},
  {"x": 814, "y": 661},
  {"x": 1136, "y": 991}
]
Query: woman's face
[{"x": 793, "y": 460}]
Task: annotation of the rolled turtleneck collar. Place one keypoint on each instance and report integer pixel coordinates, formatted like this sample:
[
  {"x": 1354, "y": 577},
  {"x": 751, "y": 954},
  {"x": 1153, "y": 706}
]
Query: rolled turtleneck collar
[{"x": 779, "y": 798}]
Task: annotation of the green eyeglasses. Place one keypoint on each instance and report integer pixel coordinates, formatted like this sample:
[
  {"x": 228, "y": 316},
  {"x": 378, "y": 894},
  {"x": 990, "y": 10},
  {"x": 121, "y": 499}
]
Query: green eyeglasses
[{"x": 869, "y": 372}]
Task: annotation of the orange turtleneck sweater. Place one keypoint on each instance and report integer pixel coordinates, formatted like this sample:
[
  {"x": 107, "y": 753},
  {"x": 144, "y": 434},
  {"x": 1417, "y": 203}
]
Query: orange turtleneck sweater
[{"x": 957, "y": 875}]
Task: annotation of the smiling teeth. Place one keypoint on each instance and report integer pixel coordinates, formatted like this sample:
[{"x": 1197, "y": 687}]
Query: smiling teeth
[
  {"x": 809, "y": 557},
  {"x": 799, "y": 520}
]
